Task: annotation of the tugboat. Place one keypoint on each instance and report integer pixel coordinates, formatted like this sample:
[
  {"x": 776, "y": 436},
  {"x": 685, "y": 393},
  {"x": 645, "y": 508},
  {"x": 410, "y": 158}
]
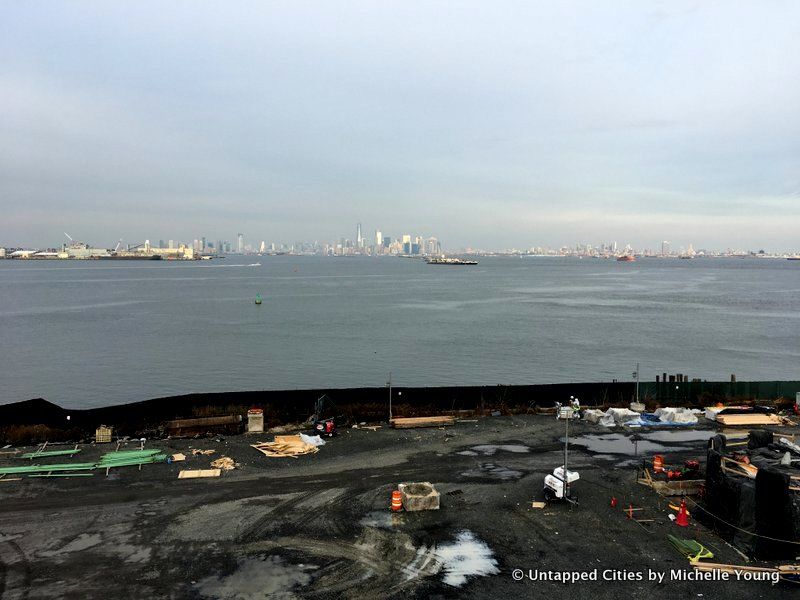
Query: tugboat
[
  {"x": 258, "y": 298},
  {"x": 626, "y": 258}
]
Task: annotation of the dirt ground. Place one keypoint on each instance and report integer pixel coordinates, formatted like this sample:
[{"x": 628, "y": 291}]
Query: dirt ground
[{"x": 319, "y": 526}]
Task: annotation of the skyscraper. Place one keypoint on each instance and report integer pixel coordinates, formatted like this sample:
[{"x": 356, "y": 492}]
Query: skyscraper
[
  {"x": 240, "y": 243},
  {"x": 359, "y": 238}
]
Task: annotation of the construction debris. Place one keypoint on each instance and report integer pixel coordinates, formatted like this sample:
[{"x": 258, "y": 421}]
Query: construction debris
[
  {"x": 197, "y": 473},
  {"x": 287, "y": 445},
  {"x": 225, "y": 463},
  {"x": 178, "y": 457},
  {"x": 197, "y": 451},
  {"x": 370, "y": 427},
  {"x": 412, "y": 422}
]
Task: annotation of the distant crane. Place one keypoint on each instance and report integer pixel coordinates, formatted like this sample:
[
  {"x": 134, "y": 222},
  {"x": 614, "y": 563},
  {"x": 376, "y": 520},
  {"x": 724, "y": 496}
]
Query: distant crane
[
  {"x": 69, "y": 236},
  {"x": 119, "y": 243}
]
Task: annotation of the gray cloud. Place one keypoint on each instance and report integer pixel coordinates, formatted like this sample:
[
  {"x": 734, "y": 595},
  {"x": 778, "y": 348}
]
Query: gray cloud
[{"x": 489, "y": 124}]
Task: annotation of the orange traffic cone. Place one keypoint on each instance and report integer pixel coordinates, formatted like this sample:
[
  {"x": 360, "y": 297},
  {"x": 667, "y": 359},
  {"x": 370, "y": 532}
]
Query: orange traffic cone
[
  {"x": 683, "y": 516},
  {"x": 397, "y": 501}
]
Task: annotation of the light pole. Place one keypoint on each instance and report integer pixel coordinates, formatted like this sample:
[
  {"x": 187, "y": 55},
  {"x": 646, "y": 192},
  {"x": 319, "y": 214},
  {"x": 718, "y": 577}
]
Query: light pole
[{"x": 573, "y": 400}]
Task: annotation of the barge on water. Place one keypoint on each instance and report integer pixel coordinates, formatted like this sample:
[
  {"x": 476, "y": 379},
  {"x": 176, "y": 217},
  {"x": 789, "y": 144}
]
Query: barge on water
[{"x": 450, "y": 261}]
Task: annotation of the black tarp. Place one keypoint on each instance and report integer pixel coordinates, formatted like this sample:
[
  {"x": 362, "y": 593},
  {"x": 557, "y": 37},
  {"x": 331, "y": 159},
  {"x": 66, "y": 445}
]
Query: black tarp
[
  {"x": 748, "y": 512},
  {"x": 776, "y": 514},
  {"x": 759, "y": 438}
]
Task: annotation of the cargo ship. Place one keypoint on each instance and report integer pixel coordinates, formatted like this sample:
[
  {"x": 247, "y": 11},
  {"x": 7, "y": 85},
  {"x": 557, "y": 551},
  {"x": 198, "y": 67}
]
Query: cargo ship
[{"x": 450, "y": 261}]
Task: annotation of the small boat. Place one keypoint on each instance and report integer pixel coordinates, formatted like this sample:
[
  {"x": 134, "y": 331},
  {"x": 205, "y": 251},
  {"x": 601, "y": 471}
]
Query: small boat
[
  {"x": 258, "y": 298},
  {"x": 626, "y": 258}
]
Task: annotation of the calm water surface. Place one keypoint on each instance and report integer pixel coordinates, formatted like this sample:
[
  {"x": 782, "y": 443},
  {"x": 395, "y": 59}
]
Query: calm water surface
[{"x": 86, "y": 334}]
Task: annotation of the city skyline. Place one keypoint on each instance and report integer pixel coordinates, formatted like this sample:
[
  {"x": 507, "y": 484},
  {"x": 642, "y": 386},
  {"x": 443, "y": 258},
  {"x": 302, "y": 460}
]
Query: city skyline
[
  {"x": 494, "y": 125},
  {"x": 380, "y": 243}
]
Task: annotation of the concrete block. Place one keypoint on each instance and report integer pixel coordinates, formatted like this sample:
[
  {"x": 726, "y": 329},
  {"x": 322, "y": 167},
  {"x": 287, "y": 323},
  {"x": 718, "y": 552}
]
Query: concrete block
[{"x": 419, "y": 496}]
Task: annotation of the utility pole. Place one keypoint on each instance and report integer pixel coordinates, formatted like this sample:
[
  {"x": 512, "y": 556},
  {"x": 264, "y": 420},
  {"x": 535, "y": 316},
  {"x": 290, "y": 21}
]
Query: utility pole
[{"x": 637, "y": 382}]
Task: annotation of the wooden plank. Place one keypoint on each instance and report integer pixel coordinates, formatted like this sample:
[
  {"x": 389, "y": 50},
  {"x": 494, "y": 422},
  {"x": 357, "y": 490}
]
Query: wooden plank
[
  {"x": 751, "y": 419},
  {"x": 196, "y": 473},
  {"x": 730, "y": 568},
  {"x": 737, "y": 468},
  {"x": 411, "y": 422},
  {"x": 685, "y": 487}
]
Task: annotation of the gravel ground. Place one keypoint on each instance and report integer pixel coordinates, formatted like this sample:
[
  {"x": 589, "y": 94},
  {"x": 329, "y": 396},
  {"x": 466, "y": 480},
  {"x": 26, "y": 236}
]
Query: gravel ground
[{"x": 319, "y": 526}]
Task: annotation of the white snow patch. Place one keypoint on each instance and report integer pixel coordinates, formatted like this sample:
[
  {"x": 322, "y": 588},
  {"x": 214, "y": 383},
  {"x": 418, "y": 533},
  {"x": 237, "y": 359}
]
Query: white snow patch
[{"x": 466, "y": 557}]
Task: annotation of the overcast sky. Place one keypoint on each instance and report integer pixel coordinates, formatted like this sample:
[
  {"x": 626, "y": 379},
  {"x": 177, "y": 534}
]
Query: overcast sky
[{"x": 492, "y": 124}]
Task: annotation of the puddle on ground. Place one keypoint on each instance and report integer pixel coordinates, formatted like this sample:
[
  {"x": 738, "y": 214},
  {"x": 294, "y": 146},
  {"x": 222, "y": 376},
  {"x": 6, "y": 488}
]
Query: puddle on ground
[
  {"x": 618, "y": 443},
  {"x": 383, "y": 519},
  {"x": 679, "y": 437},
  {"x": 257, "y": 579},
  {"x": 614, "y": 443},
  {"x": 493, "y": 471},
  {"x": 490, "y": 449},
  {"x": 466, "y": 557},
  {"x": 606, "y": 456}
]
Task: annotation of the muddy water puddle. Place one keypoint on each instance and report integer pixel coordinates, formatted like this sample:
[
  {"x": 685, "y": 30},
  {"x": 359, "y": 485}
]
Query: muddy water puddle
[
  {"x": 493, "y": 471},
  {"x": 647, "y": 443}
]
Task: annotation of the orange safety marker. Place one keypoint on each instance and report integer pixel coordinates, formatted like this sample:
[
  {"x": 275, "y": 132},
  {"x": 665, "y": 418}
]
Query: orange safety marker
[
  {"x": 658, "y": 463},
  {"x": 397, "y": 501}
]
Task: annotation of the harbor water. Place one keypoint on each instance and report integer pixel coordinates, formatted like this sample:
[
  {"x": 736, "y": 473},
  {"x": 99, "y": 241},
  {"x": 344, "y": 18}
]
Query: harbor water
[{"x": 91, "y": 333}]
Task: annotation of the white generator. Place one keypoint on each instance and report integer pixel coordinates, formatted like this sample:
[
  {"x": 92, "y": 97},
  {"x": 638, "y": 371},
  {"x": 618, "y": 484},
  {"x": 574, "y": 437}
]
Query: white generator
[{"x": 554, "y": 484}]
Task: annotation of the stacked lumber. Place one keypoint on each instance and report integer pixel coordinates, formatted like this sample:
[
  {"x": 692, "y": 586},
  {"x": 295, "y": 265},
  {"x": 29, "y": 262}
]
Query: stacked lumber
[
  {"x": 412, "y": 422},
  {"x": 285, "y": 445},
  {"x": 752, "y": 419}
]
